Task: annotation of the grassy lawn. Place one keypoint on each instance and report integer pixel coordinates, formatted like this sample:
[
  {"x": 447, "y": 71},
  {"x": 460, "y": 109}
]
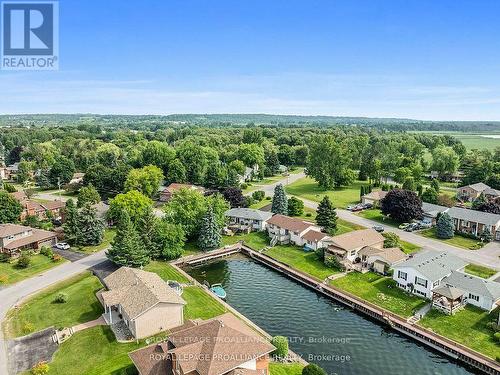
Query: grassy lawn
[
  {"x": 376, "y": 215},
  {"x": 346, "y": 226},
  {"x": 39, "y": 264},
  {"x": 468, "y": 327},
  {"x": 200, "y": 304},
  {"x": 341, "y": 197},
  {"x": 301, "y": 260},
  {"x": 165, "y": 271},
  {"x": 264, "y": 202},
  {"x": 109, "y": 235},
  {"x": 285, "y": 369},
  {"x": 380, "y": 291},
  {"x": 255, "y": 240},
  {"x": 457, "y": 240},
  {"x": 40, "y": 311},
  {"x": 481, "y": 271},
  {"x": 408, "y": 247}
]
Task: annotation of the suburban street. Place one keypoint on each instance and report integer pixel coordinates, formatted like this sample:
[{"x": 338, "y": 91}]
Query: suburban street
[{"x": 12, "y": 295}]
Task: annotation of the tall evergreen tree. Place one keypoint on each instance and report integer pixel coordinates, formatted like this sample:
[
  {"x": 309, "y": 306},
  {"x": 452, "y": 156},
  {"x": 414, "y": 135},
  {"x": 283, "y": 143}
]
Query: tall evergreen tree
[
  {"x": 147, "y": 227},
  {"x": 478, "y": 202},
  {"x": 361, "y": 191},
  {"x": 210, "y": 232},
  {"x": 280, "y": 202},
  {"x": 91, "y": 227},
  {"x": 444, "y": 227},
  {"x": 327, "y": 216},
  {"x": 435, "y": 184},
  {"x": 127, "y": 248},
  {"x": 71, "y": 226}
]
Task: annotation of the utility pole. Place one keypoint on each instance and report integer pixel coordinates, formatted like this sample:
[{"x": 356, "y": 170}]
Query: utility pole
[{"x": 59, "y": 188}]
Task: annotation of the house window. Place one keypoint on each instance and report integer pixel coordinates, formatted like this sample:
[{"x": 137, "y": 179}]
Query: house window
[
  {"x": 419, "y": 292},
  {"x": 420, "y": 281},
  {"x": 353, "y": 252},
  {"x": 474, "y": 297},
  {"x": 435, "y": 284},
  {"x": 402, "y": 275}
]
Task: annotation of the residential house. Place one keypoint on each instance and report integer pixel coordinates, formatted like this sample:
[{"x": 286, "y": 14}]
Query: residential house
[
  {"x": 249, "y": 174},
  {"x": 475, "y": 222},
  {"x": 247, "y": 219},
  {"x": 431, "y": 212},
  {"x": 53, "y": 209},
  {"x": 142, "y": 300},
  {"x": 374, "y": 197},
  {"x": 491, "y": 194},
  {"x": 15, "y": 238},
  {"x": 479, "y": 292},
  {"x": 284, "y": 229},
  {"x": 314, "y": 239},
  {"x": 424, "y": 271},
  {"x": 471, "y": 192},
  {"x": 380, "y": 260},
  {"x": 10, "y": 172},
  {"x": 345, "y": 247},
  {"x": 166, "y": 193},
  {"x": 440, "y": 277},
  {"x": 77, "y": 178},
  {"x": 224, "y": 345}
]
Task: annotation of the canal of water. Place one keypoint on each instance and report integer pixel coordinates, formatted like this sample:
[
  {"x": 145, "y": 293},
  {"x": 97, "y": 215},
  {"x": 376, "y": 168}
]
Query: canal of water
[{"x": 321, "y": 330}]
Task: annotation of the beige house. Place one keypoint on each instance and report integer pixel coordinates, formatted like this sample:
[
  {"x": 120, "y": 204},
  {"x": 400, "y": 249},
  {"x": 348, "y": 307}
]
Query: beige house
[
  {"x": 15, "y": 238},
  {"x": 224, "y": 345},
  {"x": 285, "y": 229},
  {"x": 143, "y": 301},
  {"x": 380, "y": 260},
  {"x": 345, "y": 247},
  {"x": 471, "y": 192},
  {"x": 166, "y": 193},
  {"x": 374, "y": 197}
]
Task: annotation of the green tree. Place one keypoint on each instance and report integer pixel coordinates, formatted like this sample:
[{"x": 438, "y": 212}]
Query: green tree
[
  {"x": 88, "y": 195},
  {"x": 127, "y": 248},
  {"x": 295, "y": 207},
  {"x": 313, "y": 369},
  {"x": 133, "y": 202},
  {"x": 401, "y": 174},
  {"x": 328, "y": 162},
  {"x": 238, "y": 166},
  {"x": 175, "y": 172},
  {"x": 444, "y": 160},
  {"x": 71, "y": 226},
  {"x": 10, "y": 208},
  {"x": 486, "y": 235},
  {"x": 186, "y": 208},
  {"x": 281, "y": 345},
  {"x": 61, "y": 171},
  {"x": 195, "y": 161},
  {"x": 169, "y": 239},
  {"x": 479, "y": 201},
  {"x": 210, "y": 232},
  {"x": 444, "y": 227},
  {"x": 251, "y": 154},
  {"x": 91, "y": 227},
  {"x": 108, "y": 154},
  {"x": 147, "y": 227},
  {"x": 409, "y": 184},
  {"x": 430, "y": 195},
  {"x": 402, "y": 205},
  {"x": 326, "y": 216},
  {"x": 26, "y": 169},
  {"x": 280, "y": 201},
  {"x": 157, "y": 153},
  {"x": 435, "y": 184},
  {"x": 391, "y": 240},
  {"x": 146, "y": 180}
]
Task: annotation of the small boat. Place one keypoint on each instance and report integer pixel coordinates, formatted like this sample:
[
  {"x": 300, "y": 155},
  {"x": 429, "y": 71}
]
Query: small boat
[{"x": 218, "y": 290}]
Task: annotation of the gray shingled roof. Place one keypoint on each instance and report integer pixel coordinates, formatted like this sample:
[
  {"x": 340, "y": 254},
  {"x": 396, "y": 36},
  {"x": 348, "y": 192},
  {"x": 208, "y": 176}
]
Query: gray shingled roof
[
  {"x": 249, "y": 213},
  {"x": 473, "y": 215},
  {"x": 478, "y": 186},
  {"x": 491, "y": 191},
  {"x": 474, "y": 285},
  {"x": 432, "y": 209},
  {"x": 434, "y": 265}
]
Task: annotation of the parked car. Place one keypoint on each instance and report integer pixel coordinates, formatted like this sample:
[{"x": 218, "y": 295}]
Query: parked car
[
  {"x": 411, "y": 227},
  {"x": 403, "y": 226},
  {"x": 424, "y": 225},
  {"x": 349, "y": 208},
  {"x": 367, "y": 206},
  {"x": 378, "y": 228},
  {"x": 62, "y": 246}
]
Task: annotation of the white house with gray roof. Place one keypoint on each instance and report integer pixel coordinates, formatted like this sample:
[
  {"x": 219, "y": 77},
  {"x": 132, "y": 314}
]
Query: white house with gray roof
[
  {"x": 425, "y": 270},
  {"x": 431, "y": 212},
  {"x": 247, "y": 219},
  {"x": 477, "y": 291}
]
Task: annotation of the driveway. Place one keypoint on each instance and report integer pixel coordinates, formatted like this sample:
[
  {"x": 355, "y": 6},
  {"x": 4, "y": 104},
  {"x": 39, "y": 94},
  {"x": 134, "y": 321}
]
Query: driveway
[
  {"x": 18, "y": 292},
  {"x": 72, "y": 256},
  {"x": 25, "y": 352}
]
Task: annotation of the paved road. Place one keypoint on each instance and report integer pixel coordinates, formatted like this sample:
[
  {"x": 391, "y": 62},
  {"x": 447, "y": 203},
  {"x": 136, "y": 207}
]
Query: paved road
[
  {"x": 16, "y": 293},
  {"x": 488, "y": 256}
]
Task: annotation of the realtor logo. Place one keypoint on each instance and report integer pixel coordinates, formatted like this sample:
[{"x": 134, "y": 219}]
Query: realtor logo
[{"x": 30, "y": 39}]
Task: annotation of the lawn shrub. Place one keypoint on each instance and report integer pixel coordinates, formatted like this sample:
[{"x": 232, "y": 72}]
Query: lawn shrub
[
  {"x": 61, "y": 298},
  {"x": 281, "y": 344},
  {"x": 56, "y": 258},
  {"x": 333, "y": 262},
  {"x": 28, "y": 327},
  {"x": 4, "y": 258},
  {"x": 320, "y": 253},
  {"x": 496, "y": 336},
  {"x": 24, "y": 261},
  {"x": 313, "y": 369},
  {"x": 268, "y": 198},
  {"x": 47, "y": 251},
  {"x": 258, "y": 195},
  {"x": 41, "y": 368},
  {"x": 243, "y": 186}
]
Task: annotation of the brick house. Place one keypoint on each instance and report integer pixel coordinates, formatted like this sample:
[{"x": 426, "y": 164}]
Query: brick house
[
  {"x": 471, "y": 192},
  {"x": 166, "y": 193},
  {"x": 15, "y": 238},
  {"x": 474, "y": 222},
  {"x": 41, "y": 210}
]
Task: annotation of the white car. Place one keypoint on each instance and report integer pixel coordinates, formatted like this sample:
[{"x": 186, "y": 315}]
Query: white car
[{"x": 62, "y": 246}]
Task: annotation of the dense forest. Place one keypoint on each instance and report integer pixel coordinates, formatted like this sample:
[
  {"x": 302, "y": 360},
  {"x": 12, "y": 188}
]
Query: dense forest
[{"x": 232, "y": 120}]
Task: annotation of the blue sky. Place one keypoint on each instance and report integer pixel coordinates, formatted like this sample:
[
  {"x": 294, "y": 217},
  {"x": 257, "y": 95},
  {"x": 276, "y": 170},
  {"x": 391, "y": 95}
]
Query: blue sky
[{"x": 423, "y": 59}]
